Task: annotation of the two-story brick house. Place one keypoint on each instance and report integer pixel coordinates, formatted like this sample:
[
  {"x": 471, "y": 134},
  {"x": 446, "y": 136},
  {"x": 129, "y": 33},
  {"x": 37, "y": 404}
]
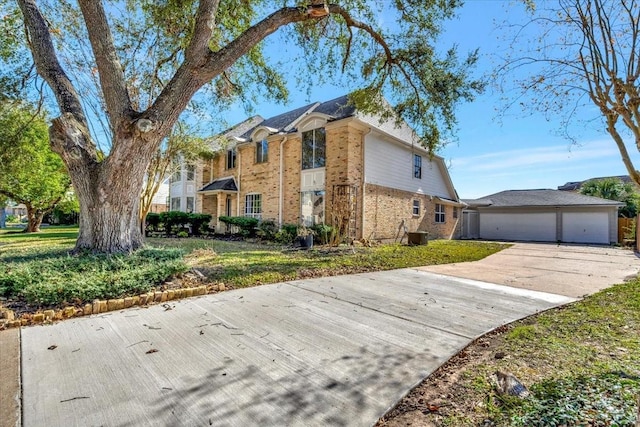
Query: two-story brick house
[{"x": 327, "y": 163}]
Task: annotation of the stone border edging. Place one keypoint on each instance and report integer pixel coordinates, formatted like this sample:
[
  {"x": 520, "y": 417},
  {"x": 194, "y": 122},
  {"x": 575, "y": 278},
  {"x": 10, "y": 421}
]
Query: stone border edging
[{"x": 8, "y": 318}]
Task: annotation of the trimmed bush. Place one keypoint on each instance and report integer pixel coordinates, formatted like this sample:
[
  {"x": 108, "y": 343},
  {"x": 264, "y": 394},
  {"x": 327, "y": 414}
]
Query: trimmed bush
[
  {"x": 152, "y": 222},
  {"x": 199, "y": 223},
  {"x": 267, "y": 229},
  {"x": 173, "y": 221},
  {"x": 247, "y": 225}
]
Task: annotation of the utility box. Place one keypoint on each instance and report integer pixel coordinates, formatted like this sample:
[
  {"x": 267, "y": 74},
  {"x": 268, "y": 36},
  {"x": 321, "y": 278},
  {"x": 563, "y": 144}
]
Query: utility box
[{"x": 418, "y": 238}]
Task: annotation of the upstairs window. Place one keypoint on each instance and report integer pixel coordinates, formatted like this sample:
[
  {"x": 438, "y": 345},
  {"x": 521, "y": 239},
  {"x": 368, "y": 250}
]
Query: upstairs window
[
  {"x": 191, "y": 172},
  {"x": 262, "y": 151},
  {"x": 440, "y": 213},
  {"x": 231, "y": 158},
  {"x": 313, "y": 148},
  {"x": 417, "y": 166}
]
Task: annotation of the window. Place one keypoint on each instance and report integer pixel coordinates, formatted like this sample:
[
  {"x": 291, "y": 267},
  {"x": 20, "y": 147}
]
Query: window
[
  {"x": 262, "y": 151},
  {"x": 253, "y": 206},
  {"x": 175, "y": 203},
  {"x": 417, "y": 166},
  {"x": 191, "y": 172},
  {"x": 313, "y": 148},
  {"x": 176, "y": 176},
  {"x": 439, "y": 213},
  {"x": 190, "y": 204},
  {"x": 231, "y": 158},
  {"x": 416, "y": 207},
  {"x": 312, "y": 207},
  {"x": 455, "y": 212}
]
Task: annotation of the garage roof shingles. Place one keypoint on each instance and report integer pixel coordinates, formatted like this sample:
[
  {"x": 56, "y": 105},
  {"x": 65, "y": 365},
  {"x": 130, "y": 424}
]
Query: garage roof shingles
[{"x": 522, "y": 198}]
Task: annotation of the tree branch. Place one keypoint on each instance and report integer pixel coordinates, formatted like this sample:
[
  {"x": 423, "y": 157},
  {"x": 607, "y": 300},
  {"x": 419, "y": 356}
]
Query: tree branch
[
  {"x": 47, "y": 63},
  {"x": 205, "y": 22},
  {"x": 110, "y": 71}
]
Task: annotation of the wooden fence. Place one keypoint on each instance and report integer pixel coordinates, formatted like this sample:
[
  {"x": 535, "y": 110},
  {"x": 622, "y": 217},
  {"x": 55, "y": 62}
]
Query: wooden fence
[{"x": 625, "y": 230}]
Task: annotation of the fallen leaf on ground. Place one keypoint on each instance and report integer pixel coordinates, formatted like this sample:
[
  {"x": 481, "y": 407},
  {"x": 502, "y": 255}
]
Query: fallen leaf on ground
[
  {"x": 153, "y": 350},
  {"x": 52, "y": 347}
]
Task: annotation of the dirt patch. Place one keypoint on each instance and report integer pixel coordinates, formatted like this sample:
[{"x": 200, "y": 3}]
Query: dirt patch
[{"x": 441, "y": 395}]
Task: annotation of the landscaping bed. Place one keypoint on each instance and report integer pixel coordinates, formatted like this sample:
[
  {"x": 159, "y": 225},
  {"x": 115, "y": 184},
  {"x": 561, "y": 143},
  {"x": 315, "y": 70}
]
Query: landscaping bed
[{"x": 38, "y": 274}]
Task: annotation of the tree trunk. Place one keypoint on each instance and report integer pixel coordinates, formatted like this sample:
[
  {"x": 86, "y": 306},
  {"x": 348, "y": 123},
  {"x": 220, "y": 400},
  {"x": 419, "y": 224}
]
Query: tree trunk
[
  {"x": 34, "y": 220},
  {"x": 108, "y": 217}
]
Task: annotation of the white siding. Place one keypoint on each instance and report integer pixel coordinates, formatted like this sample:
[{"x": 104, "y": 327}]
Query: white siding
[{"x": 391, "y": 165}]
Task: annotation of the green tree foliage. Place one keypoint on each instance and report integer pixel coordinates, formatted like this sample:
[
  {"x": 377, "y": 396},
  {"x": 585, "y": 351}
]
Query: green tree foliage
[
  {"x": 574, "y": 55},
  {"x": 30, "y": 173},
  {"x": 614, "y": 189},
  {"x": 139, "y": 64}
]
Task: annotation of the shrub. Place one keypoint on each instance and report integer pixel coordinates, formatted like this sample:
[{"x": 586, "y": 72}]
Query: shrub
[
  {"x": 199, "y": 223},
  {"x": 152, "y": 222},
  {"x": 287, "y": 234},
  {"x": 267, "y": 229},
  {"x": 11, "y": 218},
  {"x": 62, "y": 278},
  {"x": 322, "y": 233},
  {"x": 247, "y": 225},
  {"x": 173, "y": 219}
]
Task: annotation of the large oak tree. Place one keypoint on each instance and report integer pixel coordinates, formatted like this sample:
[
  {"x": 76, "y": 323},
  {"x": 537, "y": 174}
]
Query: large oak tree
[{"x": 150, "y": 58}]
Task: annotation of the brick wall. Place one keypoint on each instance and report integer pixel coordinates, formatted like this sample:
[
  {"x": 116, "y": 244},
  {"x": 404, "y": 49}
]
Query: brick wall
[{"x": 389, "y": 211}]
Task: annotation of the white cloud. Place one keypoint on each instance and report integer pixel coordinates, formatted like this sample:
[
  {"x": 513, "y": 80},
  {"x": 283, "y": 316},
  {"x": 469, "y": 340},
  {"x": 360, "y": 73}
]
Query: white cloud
[{"x": 557, "y": 155}]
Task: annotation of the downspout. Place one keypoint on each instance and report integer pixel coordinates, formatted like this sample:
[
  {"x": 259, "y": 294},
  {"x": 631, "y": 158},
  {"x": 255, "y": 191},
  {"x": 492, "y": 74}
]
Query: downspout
[
  {"x": 281, "y": 179},
  {"x": 363, "y": 184}
]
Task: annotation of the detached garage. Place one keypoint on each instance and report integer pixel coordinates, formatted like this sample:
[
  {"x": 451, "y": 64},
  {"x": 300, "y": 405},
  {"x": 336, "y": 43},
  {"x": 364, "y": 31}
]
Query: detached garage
[{"x": 542, "y": 216}]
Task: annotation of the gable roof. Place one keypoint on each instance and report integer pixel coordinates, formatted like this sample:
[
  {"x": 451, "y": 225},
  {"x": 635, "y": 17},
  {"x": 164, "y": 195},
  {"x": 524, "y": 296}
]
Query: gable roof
[
  {"x": 220, "y": 184},
  {"x": 576, "y": 185},
  {"x": 336, "y": 109},
  {"x": 538, "y": 198}
]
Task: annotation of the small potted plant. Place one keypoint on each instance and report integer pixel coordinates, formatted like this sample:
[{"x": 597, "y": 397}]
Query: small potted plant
[{"x": 305, "y": 236}]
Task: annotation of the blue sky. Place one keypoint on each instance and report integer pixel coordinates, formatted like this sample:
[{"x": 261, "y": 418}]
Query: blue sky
[{"x": 493, "y": 155}]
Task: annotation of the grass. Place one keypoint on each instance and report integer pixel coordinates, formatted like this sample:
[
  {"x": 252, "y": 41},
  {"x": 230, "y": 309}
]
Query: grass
[
  {"x": 581, "y": 363},
  {"x": 242, "y": 264},
  {"x": 37, "y": 270}
]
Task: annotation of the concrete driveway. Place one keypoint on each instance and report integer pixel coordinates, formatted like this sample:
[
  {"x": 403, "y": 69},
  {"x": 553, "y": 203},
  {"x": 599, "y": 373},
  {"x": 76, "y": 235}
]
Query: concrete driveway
[
  {"x": 563, "y": 269},
  {"x": 336, "y": 351}
]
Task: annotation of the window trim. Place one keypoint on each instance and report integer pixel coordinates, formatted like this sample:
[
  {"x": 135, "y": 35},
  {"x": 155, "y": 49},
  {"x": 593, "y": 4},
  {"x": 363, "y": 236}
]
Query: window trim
[
  {"x": 440, "y": 213},
  {"x": 417, "y": 166}
]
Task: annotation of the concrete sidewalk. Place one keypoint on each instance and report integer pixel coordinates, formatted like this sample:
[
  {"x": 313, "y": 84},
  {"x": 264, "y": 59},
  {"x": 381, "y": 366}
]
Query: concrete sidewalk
[{"x": 336, "y": 351}]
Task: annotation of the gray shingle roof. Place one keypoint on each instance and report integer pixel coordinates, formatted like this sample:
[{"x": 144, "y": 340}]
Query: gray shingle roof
[
  {"x": 337, "y": 109},
  {"x": 221, "y": 184},
  {"x": 522, "y": 198}
]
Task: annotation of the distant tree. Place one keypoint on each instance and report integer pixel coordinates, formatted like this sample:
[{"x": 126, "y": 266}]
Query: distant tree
[
  {"x": 577, "y": 54},
  {"x": 218, "y": 46},
  {"x": 178, "y": 148},
  {"x": 614, "y": 189},
  {"x": 30, "y": 173},
  {"x": 3, "y": 211}
]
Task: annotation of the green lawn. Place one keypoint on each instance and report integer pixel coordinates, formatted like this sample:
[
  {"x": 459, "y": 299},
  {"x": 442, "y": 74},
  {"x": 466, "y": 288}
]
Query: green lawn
[
  {"x": 38, "y": 270},
  {"x": 581, "y": 363}
]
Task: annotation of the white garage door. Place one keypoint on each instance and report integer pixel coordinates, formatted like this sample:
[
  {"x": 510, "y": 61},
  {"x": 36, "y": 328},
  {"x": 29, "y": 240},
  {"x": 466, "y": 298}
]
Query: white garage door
[
  {"x": 537, "y": 227},
  {"x": 585, "y": 227}
]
